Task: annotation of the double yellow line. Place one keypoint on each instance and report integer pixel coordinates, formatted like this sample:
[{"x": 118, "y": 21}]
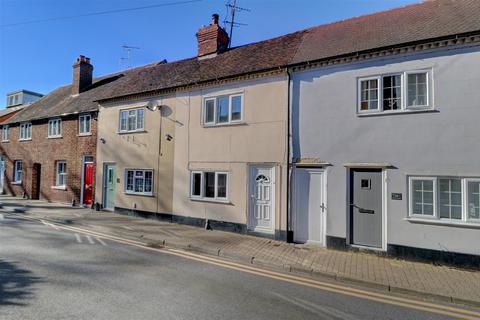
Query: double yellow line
[{"x": 325, "y": 286}]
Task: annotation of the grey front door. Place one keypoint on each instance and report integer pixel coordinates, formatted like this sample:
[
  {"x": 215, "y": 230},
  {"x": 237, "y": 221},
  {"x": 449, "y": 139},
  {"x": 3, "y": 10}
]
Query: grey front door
[
  {"x": 109, "y": 183},
  {"x": 366, "y": 207}
]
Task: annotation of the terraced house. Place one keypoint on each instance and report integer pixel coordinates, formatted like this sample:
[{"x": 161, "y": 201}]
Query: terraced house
[
  {"x": 201, "y": 140},
  {"x": 49, "y": 148},
  {"x": 356, "y": 134}
]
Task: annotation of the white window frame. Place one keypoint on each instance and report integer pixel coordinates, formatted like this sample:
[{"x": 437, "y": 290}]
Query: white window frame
[
  {"x": 57, "y": 125},
  {"x": 379, "y": 96},
  {"x": 215, "y": 105},
  {"x": 84, "y": 117},
  {"x": 133, "y": 192},
  {"x": 405, "y": 89},
  {"x": 410, "y": 197},
  {"x": 25, "y": 128},
  {"x": 404, "y": 92},
  {"x": 436, "y": 195},
  {"x": 127, "y": 111},
  {"x": 17, "y": 171},
  {"x": 202, "y": 186},
  {"x": 59, "y": 174},
  {"x": 465, "y": 198},
  {"x": 5, "y": 133}
]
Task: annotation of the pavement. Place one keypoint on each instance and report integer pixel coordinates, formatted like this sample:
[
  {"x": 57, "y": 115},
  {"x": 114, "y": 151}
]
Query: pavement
[
  {"x": 393, "y": 275},
  {"x": 52, "y": 272}
]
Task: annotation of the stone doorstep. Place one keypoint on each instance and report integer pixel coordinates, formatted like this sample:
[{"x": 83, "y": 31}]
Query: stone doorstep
[{"x": 296, "y": 269}]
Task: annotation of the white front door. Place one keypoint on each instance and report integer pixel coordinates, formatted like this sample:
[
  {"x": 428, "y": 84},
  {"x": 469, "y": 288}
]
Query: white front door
[
  {"x": 309, "y": 206},
  {"x": 262, "y": 191}
]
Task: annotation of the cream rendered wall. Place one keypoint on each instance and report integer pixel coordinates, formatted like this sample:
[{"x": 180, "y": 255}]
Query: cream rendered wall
[
  {"x": 261, "y": 138},
  {"x": 138, "y": 150}
]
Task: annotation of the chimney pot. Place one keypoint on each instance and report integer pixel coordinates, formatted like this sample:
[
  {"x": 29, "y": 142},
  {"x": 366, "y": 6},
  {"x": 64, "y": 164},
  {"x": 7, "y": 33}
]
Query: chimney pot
[{"x": 215, "y": 18}]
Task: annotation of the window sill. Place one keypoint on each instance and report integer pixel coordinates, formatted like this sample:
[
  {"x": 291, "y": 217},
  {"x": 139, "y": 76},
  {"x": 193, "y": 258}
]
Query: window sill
[
  {"x": 59, "y": 187},
  {"x": 396, "y": 112},
  {"x": 210, "y": 200},
  {"x": 84, "y": 134},
  {"x": 5, "y": 141},
  {"x": 130, "y": 132},
  {"x": 139, "y": 194},
  {"x": 55, "y": 137},
  {"x": 16, "y": 183},
  {"x": 25, "y": 139},
  {"x": 450, "y": 223},
  {"x": 233, "y": 124}
]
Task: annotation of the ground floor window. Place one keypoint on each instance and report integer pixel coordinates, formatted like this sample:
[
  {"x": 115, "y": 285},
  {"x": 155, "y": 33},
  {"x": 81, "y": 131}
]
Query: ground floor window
[
  {"x": 446, "y": 198},
  {"x": 60, "y": 174},
  {"x": 210, "y": 185},
  {"x": 139, "y": 181},
  {"x": 17, "y": 171}
]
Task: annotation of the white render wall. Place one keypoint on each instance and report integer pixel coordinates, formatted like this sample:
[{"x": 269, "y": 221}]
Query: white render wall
[{"x": 325, "y": 125}]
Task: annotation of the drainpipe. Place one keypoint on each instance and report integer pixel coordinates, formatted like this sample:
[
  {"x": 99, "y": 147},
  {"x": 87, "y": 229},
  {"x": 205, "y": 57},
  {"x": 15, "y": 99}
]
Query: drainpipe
[{"x": 289, "y": 107}]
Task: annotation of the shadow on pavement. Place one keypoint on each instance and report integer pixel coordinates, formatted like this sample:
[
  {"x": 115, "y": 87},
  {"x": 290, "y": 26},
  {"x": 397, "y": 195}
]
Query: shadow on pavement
[{"x": 16, "y": 284}]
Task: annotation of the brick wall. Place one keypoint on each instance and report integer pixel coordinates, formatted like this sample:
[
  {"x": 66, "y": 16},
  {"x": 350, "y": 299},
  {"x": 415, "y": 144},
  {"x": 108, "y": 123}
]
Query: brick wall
[{"x": 70, "y": 147}]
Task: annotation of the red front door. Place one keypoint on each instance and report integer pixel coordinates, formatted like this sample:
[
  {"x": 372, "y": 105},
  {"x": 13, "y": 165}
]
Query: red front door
[{"x": 88, "y": 184}]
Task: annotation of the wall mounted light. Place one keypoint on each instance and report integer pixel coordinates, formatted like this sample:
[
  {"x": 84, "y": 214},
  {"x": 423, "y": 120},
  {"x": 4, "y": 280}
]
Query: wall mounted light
[{"x": 168, "y": 137}]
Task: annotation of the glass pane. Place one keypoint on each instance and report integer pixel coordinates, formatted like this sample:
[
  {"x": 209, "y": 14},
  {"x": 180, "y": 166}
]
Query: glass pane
[
  {"x": 456, "y": 212},
  {"x": 236, "y": 108},
  {"x": 456, "y": 185},
  {"x": 222, "y": 185},
  {"x": 209, "y": 111},
  {"x": 87, "y": 124},
  {"x": 132, "y": 121},
  {"x": 428, "y": 209},
  {"x": 130, "y": 180},
  {"x": 197, "y": 186},
  {"x": 417, "y": 89},
  {"x": 148, "y": 181},
  {"x": 139, "y": 184},
  {"x": 417, "y": 208},
  {"x": 444, "y": 211},
  {"x": 123, "y": 121},
  {"x": 222, "y": 109},
  {"x": 427, "y": 197},
  {"x": 473, "y": 206},
  {"x": 140, "y": 119},
  {"x": 209, "y": 184}
]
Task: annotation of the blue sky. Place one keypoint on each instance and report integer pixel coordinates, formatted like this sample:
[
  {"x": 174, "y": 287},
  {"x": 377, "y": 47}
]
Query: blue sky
[{"x": 39, "y": 56}]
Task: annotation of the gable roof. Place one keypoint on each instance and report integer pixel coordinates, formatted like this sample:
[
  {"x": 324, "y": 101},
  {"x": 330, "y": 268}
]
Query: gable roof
[{"x": 432, "y": 19}]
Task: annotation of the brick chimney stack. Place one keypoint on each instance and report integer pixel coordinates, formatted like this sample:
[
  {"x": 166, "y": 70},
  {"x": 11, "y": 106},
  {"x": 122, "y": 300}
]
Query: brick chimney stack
[
  {"x": 212, "y": 38},
  {"x": 82, "y": 74}
]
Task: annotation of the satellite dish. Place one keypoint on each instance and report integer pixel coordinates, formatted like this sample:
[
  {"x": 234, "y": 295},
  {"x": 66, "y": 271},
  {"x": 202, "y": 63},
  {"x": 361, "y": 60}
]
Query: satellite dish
[{"x": 152, "y": 106}]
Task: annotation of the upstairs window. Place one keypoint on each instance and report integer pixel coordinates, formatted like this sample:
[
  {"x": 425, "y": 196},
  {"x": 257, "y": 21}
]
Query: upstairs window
[
  {"x": 209, "y": 185},
  {"x": 54, "y": 128},
  {"x": 84, "y": 124},
  {"x": 386, "y": 93},
  {"x": 26, "y": 131},
  {"x": 17, "y": 171},
  {"x": 61, "y": 174},
  {"x": 139, "y": 181},
  {"x": 225, "y": 109},
  {"x": 131, "y": 120},
  {"x": 5, "y": 133}
]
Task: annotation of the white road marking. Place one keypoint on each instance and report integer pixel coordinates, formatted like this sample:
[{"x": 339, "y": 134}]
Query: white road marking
[
  {"x": 90, "y": 239},
  {"x": 1, "y": 216},
  {"x": 128, "y": 228},
  {"x": 79, "y": 240},
  {"x": 101, "y": 241}
]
